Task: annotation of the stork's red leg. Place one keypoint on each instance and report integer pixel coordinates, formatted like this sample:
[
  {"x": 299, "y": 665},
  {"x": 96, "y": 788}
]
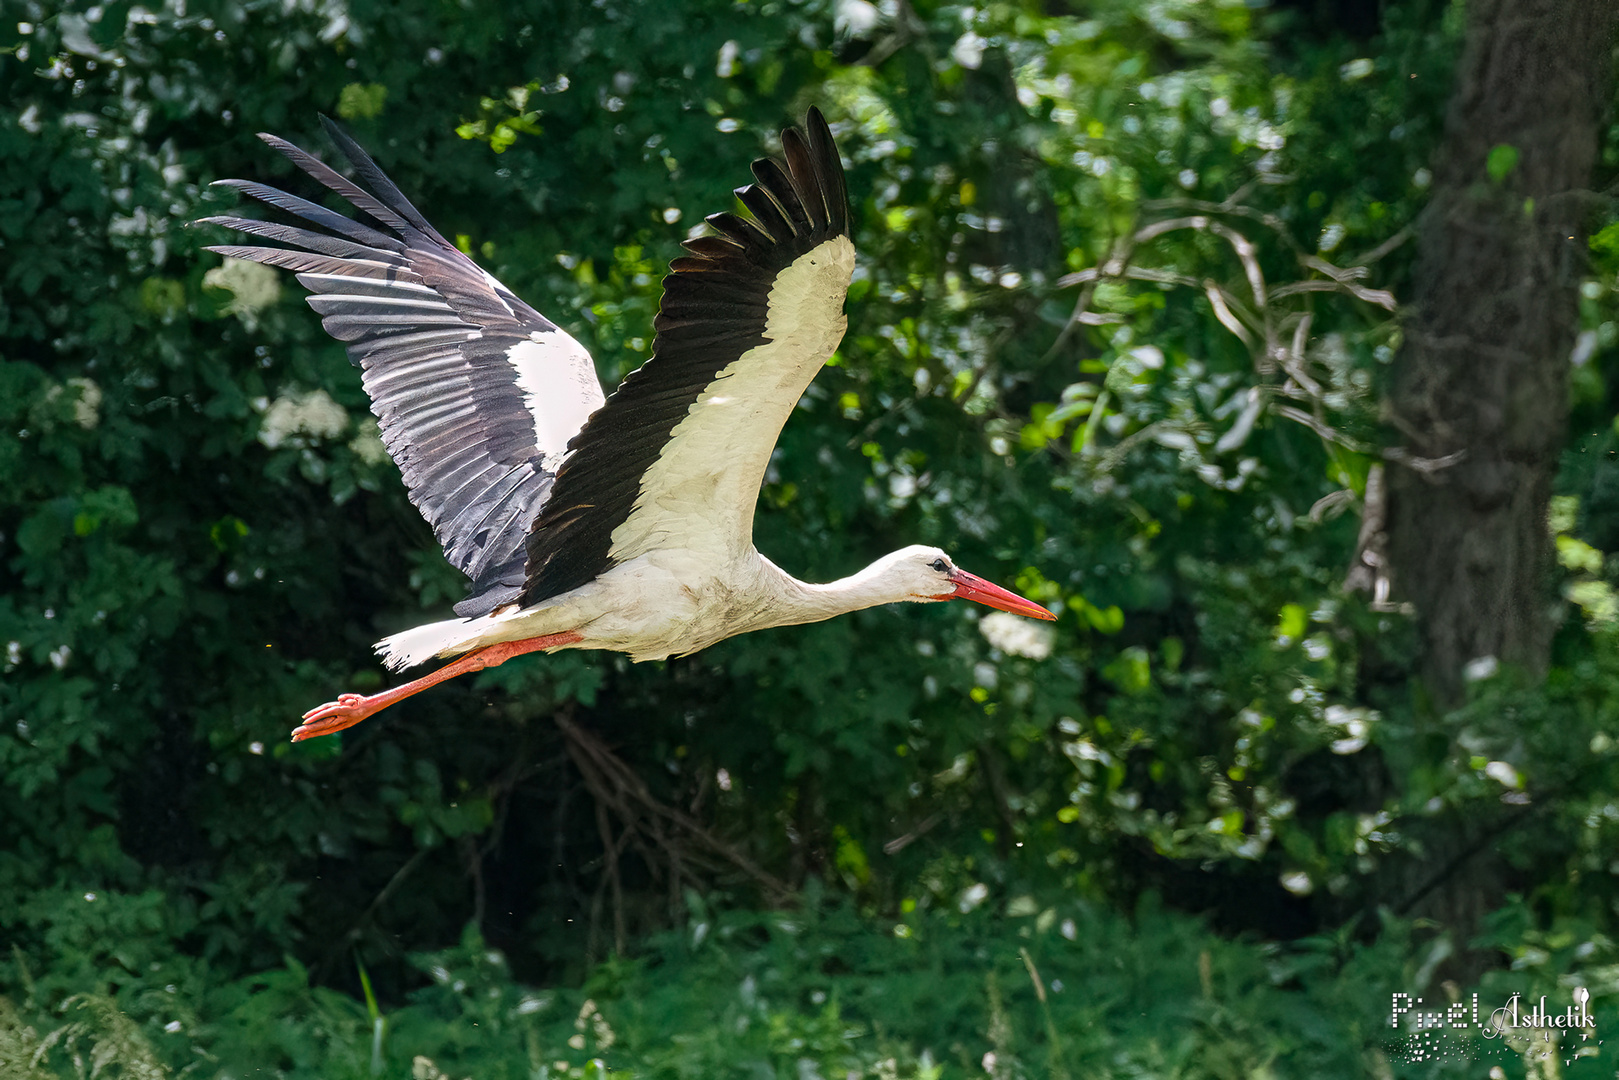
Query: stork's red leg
[{"x": 350, "y": 709}]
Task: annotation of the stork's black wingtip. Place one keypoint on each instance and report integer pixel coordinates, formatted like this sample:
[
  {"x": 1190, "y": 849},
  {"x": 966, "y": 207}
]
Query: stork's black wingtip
[{"x": 343, "y": 140}]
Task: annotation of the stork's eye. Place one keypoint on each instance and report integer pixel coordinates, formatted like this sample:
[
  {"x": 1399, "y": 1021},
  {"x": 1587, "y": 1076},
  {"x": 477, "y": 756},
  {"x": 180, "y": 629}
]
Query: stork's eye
[{"x": 940, "y": 565}]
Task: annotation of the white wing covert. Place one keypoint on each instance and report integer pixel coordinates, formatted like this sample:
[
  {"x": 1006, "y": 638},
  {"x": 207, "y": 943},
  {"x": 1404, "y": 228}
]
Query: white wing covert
[{"x": 677, "y": 455}]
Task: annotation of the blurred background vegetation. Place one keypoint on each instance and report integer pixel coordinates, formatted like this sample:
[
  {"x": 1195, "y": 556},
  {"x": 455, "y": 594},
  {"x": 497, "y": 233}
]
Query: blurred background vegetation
[{"x": 1134, "y": 299}]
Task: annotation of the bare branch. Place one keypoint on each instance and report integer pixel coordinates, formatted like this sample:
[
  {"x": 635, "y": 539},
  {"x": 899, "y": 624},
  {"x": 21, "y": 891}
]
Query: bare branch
[
  {"x": 1245, "y": 252},
  {"x": 1220, "y": 300},
  {"x": 1331, "y": 505},
  {"x": 1423, "y": 465},
  {"x": 1232, "y": 207},
  {"x": 900, "y": 843},
  {"x": 623, "y": 791},
  {"x": 1385, "y": 247},
  {"x": 1322, "y": 428}
]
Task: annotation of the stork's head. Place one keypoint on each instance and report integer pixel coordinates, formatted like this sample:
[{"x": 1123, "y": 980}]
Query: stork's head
[{"x": 929, "y": 574}]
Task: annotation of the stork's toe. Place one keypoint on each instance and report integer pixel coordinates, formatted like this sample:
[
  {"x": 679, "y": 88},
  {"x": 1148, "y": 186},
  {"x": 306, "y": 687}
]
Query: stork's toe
[{"x": 345, "y": 712}]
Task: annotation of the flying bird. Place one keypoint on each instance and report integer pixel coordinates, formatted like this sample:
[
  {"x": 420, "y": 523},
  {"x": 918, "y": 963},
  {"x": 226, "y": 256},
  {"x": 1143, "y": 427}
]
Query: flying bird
[{"x": 584, "y": 522}]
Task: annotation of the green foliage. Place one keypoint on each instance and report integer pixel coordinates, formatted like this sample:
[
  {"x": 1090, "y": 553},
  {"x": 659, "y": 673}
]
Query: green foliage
[
  {"x": 1116, "y": 336},
  {"x": 97, "y": 1040},
  {"x": 1009, "y": 989}
]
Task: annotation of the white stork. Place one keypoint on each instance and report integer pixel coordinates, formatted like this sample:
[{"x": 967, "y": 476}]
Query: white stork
[{"x": 583, "y": 522}]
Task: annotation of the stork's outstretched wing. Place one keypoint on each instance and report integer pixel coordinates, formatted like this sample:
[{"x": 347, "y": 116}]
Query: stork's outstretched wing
[
  {"x": 477, "y": 393},
  {"x": 676, "y": 456}
]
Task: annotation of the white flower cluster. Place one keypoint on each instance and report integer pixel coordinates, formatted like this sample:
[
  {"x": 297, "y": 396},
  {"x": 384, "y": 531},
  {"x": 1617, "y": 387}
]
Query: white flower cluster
[
  {"x": 1016, "y": 635},
  {"x": 255, "y": 287},
  {"x": 87, "y": 404},
  {"x": 294, "y": 414},
  {"x": 367, "y": 443}
]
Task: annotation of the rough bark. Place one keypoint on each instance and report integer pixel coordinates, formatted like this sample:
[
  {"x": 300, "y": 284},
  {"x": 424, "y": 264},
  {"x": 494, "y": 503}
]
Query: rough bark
[
  {"x": 1484, "y": 367},
  {"x": 1483, "y": 374}
]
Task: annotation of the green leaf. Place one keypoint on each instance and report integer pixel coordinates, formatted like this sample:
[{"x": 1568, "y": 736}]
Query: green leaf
[
  {"x": 361, "y": 101},
  {"x": 1503, "y": 158}
]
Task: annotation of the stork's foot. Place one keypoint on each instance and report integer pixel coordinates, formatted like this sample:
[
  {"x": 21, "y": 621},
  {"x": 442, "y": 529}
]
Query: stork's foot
[{"x": 345, "y": 712}]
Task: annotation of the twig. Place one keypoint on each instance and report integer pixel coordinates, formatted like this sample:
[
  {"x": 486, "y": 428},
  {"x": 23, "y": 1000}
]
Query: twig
[
  {"x": 1368, "y": 570},
  {"x": 357, "y": 929},
  {"x": 1331, "y": 505},
  {"x": 900, "y": 843},
  {"x": 616, "y": 784},
  {"x": 613, "y": 848},
  {"x": 388, "y": 890},
  {"x": 1491, "y": 834},
  {"x": 1427, "y": 467},
  {"x": 1137, "y": 273},
  {"x": 1385, "y": 247},
  {"x": 908, "y": 29},
  {"x": 1321, "y": 428},
  {"x": 474, "y": 857},
  {"x": 1232, "y": 207},
  {"x": 1293, "y": 359}
]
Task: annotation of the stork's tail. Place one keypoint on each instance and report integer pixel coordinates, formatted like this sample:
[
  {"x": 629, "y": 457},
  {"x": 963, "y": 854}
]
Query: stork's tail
[{"x": 410, "y": 647}]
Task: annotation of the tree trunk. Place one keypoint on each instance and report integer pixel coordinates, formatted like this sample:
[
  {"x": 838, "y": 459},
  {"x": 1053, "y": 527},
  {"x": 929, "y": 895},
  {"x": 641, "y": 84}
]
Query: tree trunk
[
  {"x": 1483, "y": 379},
  {"x": 1484, "y": 370}
]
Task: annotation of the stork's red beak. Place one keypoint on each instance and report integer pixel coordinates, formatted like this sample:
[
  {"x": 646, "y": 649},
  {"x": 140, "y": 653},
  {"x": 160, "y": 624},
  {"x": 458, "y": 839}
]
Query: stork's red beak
[{"x": 972, "y": 587}]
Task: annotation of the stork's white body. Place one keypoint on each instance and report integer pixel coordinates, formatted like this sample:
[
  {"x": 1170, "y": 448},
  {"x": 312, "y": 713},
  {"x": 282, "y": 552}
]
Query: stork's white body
[
  {"x": 652, "y": 607},
  {"x": 670, "y": 603},
  {"x": 624, "y": 524}
]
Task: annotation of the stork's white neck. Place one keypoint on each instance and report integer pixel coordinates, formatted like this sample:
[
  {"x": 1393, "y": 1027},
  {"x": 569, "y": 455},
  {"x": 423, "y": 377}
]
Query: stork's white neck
[{"x": 793, "y": 602}]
